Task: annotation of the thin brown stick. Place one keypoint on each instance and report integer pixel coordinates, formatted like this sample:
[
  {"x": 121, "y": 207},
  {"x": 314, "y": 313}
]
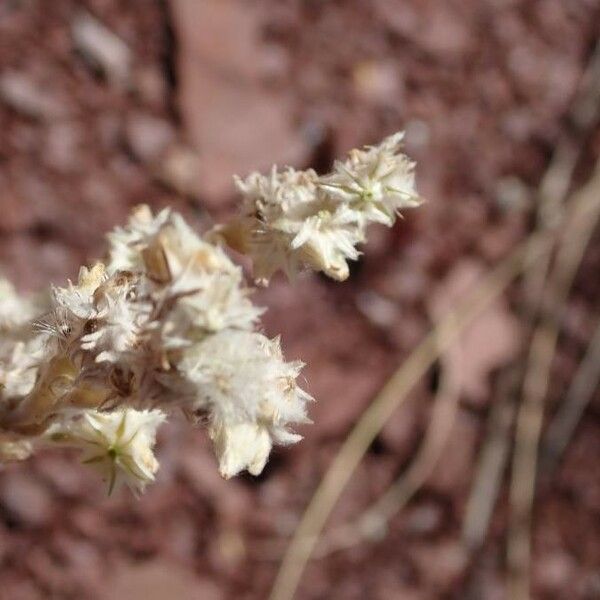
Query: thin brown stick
[{"x": 530, "y": 415}]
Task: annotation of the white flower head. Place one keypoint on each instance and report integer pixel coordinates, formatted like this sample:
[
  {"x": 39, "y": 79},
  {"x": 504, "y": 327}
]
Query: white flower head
[
  {"x": 241, "y": 446},
  {"x": 280, "y": 195},
  {"x": 207, "y": 303},
  {"x": 377, "y": 182},
  {"x": 242, "y": 379},
  {"x": 72, "y": 306},
  {"x": 269, "y": 248},
  {"x": 274, "y": 209},
  {"x": 10, "y": 305},
  {"x": 163, "y": 247},
  {"x": 125, "y": 243},
  {"x": 323, "y": 241},
  {"x": 79, "y": 299},
  {"x": 19, "y": 363},
  {"x": 192, "y": 282},
  {"x": 118, "y": 444}
]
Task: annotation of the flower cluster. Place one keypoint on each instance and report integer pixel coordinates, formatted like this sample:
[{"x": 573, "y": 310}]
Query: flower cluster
[
  {"x": 165, "y": 325},
  {"x": 294, "y": 219}
]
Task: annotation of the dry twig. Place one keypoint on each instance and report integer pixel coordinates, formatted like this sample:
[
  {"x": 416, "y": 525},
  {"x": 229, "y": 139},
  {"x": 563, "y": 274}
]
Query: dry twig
[
  {"x": 373, "y": 522},
  {"x": 396, "y": 389},
  {"x": 550, "y": 199},
  {"x": 529, "y": 420},
  {"x": 579, "y": 394},
  {"x": 392, "y": 395},
  {"x": 494, "y": 455}
]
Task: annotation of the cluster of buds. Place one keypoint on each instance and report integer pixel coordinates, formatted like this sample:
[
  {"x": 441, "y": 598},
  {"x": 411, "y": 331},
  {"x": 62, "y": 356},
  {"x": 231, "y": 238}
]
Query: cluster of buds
[
  {"x": 295, "y": 219},
  {"x": 165, "y": 325}
]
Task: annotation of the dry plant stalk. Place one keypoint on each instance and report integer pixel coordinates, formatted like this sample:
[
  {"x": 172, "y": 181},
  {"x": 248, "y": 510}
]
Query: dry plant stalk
[
  {"x": 530, "y": 416},
  {"x": 580, "y": 392},
  {"x": 547, "y": 294},
  {"x": 372, "y": 524},
  {"x": 393, "y": 394},
  {"x": 165, "y": 325},
  {"x": 550, "y": 199},
  {"x": 523, "y": 259}
]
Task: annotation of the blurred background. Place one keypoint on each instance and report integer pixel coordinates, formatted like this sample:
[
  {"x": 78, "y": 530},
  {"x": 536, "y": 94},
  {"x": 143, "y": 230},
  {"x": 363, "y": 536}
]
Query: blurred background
[{"x": 105, "y": 104}]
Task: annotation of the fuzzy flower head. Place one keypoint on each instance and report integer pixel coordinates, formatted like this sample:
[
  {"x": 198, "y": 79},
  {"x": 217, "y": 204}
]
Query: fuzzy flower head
[
  {"x": 10, "y": 305},
  {"x": 118, "y": 445},
  {"x": 294, "y": 219},
  {"x": 274, "y": 209},
  {"x": 126, "y": 244},
  {"x": 248, "y": 392},
  {"x": 19, "y": 364},
  {"x": 118, "y": 320},
  {"x": 163, "y": 247},
  {"x": 192, "y": 282},
  {"x": 377, "y": 182},
  {"x": 71, "y": 307}
]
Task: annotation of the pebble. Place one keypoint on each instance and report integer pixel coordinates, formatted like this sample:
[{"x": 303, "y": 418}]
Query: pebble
[{"x": 25, "y": 499}]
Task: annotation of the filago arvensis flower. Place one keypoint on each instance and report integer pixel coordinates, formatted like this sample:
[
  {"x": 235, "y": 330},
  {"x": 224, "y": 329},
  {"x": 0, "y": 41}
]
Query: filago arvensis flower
[{"x": 165, "y": 325}]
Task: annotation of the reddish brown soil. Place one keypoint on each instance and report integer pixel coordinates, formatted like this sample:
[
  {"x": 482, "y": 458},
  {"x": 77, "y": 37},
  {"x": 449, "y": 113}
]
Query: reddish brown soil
[{"x": 482, "y": 89}]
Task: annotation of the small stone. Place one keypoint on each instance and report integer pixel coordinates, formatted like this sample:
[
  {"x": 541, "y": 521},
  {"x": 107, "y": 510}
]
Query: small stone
[
  {"x": 63, "y": 146},
  {"x": 379, "y": 310},
  {"x": 179, "y": 170},
  {"x": 26, "y": 499},
  {"x": 441, "y": 563},
  {"x": 555, "y": 571},
  {"x": 148, "y": 136},
  {"x": 378, "y": 82},
  {"x": 400, "y": 431},
  {"x": 102, "y": 48},
  {"x": 150, "y": 84},
  {"x": 158, "y": 580},
  {"x": 489, "y": 342},
  {"x": 23, "y": 95},
  {"x": 423, "y": 519}
]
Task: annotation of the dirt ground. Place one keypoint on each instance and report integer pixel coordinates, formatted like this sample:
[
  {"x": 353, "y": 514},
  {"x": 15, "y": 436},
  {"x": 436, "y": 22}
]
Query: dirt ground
[{"x": 187, "y": 94}]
